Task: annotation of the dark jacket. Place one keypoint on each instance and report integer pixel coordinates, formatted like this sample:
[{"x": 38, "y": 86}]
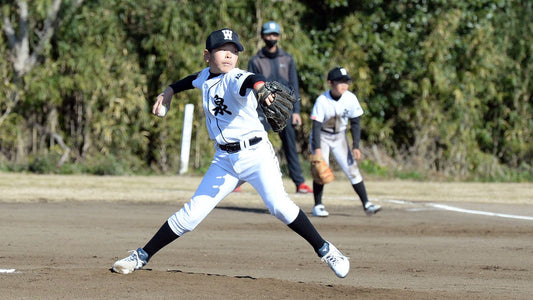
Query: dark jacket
[{"x": 279, "y": 67}]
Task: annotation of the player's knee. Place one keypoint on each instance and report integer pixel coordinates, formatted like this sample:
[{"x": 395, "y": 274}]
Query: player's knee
[
  {"x": 186, "y": 219},
  {"x": 356, "y": 180},
  {"x": 286, "y": 213},
  {"x": 178, "y": 225},
  {"x": 355, "y": 176}
]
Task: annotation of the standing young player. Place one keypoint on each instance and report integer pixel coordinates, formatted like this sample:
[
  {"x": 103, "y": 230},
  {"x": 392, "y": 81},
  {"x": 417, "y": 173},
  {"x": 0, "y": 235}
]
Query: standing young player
[
  {"x": 332, "y": 112},
  {"x": 243, "y": 154}
]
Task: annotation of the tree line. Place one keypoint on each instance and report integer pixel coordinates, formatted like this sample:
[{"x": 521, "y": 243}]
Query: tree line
[{"x": 445, "y": 85}]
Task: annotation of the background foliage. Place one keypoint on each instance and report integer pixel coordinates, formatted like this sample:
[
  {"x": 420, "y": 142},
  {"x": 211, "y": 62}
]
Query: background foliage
[{"x": 446, "y": 85}]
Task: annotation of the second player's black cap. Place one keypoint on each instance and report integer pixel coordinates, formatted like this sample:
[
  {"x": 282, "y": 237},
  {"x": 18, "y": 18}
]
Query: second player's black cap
[
  {"x": 339, "y": 74},
  {"x": 220, "y": 37}
]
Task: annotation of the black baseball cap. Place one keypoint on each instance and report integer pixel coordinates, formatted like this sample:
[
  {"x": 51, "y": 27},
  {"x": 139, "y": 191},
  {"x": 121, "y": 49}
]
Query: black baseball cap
[
  {"x": 339, "y": 74},
  {"x": 222, "y": 36}
]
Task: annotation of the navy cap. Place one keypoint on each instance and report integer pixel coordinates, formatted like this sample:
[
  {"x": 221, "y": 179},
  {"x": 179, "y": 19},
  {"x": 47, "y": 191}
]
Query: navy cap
[
  {"x": 271, "y": 27},
  {"x": 339, "y": 74},
  {"x": 222, "y": 36}
]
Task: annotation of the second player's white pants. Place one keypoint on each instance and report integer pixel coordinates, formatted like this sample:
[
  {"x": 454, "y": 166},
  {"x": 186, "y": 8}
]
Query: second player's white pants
[{"x": 338, "y": 145}]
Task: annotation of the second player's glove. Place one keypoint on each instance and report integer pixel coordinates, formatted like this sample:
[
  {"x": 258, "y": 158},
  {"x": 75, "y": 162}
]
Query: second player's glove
[
  {"x": 320, "y": 170},
  {"x": 279, "y": 111}
]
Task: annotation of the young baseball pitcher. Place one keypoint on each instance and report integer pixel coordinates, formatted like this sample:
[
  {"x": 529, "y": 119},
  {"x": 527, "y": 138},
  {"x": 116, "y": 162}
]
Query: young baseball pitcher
[
  {"x": 243, "y": 151},
  {"x": 331, "y": 113}
]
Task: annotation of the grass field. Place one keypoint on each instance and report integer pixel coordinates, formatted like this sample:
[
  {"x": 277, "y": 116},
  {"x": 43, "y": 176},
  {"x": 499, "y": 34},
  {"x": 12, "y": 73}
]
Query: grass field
[{"x": 17, "y": 187}]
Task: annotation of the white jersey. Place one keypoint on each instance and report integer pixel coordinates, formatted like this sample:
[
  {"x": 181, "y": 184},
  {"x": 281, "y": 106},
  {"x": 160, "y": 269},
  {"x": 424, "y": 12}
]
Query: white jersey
[
  {"x": 335, "y": 114},
  {"x": 230, "y": 117}
]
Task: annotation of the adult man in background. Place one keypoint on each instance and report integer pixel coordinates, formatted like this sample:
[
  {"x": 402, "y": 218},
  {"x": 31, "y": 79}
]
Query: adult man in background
[{"x": 277, "y": 65}]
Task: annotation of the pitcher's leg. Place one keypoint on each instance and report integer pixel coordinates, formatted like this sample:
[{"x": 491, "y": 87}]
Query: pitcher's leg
[{"x": 215, "y": 186}]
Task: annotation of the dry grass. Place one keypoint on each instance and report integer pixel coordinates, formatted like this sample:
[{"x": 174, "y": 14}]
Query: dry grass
[{"x": 17, "y": 187}]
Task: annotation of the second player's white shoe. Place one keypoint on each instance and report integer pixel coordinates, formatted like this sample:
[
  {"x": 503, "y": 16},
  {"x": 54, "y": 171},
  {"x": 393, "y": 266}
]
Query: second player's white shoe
[
  {"x": 137, "y": 259},
  {"x": 371, "y": 208},
  {"x": 320, "y": 211},
  {"x": 335, "y": 259}
]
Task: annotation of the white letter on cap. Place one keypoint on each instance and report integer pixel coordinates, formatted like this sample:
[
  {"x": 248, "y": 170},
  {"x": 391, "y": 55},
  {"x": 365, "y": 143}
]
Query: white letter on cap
[{"x": 227, "y": 34}]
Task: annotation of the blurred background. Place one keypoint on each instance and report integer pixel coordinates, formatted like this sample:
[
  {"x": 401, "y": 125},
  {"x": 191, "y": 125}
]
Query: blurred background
[{"x": 446, "y": 85}]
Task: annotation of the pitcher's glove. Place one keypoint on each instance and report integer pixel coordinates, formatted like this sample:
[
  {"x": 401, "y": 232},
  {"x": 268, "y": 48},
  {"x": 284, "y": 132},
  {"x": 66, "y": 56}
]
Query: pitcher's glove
[
  {"x": 320, "y": 170},
  {"x": 279, "y": 111}
]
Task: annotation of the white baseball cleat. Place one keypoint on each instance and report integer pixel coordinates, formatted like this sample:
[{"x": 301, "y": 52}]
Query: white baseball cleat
[
  {"x": 320, "y": 211},
  {"x": 371, "y": 208},
  {"x": 137, "y": 259},
  {"x": 335, "y": 259}
]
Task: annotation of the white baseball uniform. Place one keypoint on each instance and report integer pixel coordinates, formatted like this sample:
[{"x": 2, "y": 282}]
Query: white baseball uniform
[
  {"x": 243, "y": 154},
  {"x": 334, "y": 116},
  {"x": 232, "y": 121}
]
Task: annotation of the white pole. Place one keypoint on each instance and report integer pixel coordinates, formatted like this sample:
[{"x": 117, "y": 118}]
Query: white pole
[{"x": 186, "y": 138}]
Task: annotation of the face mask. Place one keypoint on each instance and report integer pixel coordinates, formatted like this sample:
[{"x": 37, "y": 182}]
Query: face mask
[{"x": 270, "y": 43}]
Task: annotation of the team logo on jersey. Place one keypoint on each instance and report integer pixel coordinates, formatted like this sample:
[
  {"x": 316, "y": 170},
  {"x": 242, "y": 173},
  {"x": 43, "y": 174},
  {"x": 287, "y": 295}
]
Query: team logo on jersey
[
  {"x": 220, "y": 108},
  {"x": 228, "y": 34},
  {"x": 345, "y": 113}
]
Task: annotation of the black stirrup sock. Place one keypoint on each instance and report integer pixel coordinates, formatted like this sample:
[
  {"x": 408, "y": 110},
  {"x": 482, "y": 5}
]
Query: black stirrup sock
[
  {"x": 318, "y": 189},
  {"x": 360, "y": 189},
  {"x": 305, "y": 229},
  {"x": 163, "y": 237}
]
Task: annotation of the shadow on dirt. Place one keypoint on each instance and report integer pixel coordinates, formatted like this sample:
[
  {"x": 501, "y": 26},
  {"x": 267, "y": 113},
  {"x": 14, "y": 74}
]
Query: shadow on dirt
[{"x": 245, "y": 209}]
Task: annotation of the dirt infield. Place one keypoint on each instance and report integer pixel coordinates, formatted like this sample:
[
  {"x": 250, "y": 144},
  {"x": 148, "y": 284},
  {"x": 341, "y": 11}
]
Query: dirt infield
[{"x": 61, "y": 234}]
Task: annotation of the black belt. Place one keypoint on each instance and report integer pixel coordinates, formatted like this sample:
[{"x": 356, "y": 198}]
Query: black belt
[
  {"x": 236, "y": 147},
  {"x": 328, "y": 131}
]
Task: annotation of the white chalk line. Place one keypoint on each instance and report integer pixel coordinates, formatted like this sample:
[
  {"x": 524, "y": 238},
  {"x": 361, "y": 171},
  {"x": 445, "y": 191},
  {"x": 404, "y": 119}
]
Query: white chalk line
[
  {"x": 7, "y": 270},
  {"x": 432, "y": 206},
  {"x": 461, "y": 210},
  {"x": 479, "y": 212}
]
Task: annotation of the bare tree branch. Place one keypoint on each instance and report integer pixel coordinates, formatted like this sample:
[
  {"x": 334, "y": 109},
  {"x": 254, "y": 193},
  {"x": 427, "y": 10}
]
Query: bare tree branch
[
  {"x": 22, "y": 44},
  {"x": 13, "y": 97},
  {"x": 48, "y": 31},
  {"x": 8, "y": 30},
  {"x": 54, "y": 135},
  {"x": 23, "y": 62}
]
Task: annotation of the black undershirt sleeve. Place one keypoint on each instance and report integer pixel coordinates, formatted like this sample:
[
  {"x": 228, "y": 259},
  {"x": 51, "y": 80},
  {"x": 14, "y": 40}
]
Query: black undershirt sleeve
[
  {"x": 356, "y": 131},
  {"x": 316, "y": 134},
  {"x": 250, "y": 81},
  {"x": 184, "y": 84}
]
